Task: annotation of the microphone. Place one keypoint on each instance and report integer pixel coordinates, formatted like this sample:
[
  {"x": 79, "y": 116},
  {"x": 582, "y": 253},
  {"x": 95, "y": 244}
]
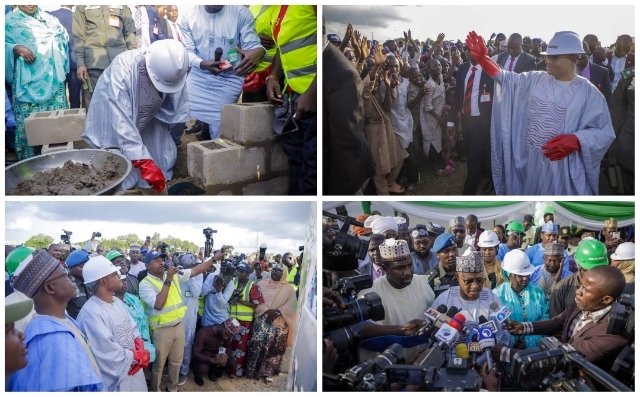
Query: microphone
[
  {"x": 218, "y": 54},
  {"x": 503, "y": 337},
  {"x": 457, "y": 321},
  {"x": 486, "y": 341},
  {"x": 499, "y": 314},
  {"x": 166, "y": 267},
  {"x": 448, "y": 333},
  {"x": 462, "y": 351}
]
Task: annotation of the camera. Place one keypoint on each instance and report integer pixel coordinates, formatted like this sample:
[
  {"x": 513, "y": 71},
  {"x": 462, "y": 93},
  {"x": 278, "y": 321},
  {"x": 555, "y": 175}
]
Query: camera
[
  {"x": 341, "y": 250},
  {"x": 98, "y": 234},
  {"x": 208, "y": 232},
  {"x": 263, "y": 251},
  {"x": 66, "y": 237},
  {"x": 622, "y": 318},
  {"x": 163, "y": 247},
  {"x": 208, "y": 242}
]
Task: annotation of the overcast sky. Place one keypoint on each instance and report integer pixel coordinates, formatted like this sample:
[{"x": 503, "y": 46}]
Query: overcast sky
[
  {"x": 281, "y": 226},
  {"x": 455, "y": 21}
]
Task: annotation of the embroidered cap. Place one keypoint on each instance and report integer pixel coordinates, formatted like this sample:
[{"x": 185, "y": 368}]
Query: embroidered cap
[
  {"x": 37, "y": 268},
  {"x": 470, "y": 262},
  {"x": 393, "y": 250},
  {"x": 554, "y": 249},
  {"x": 457, "y": 221}
]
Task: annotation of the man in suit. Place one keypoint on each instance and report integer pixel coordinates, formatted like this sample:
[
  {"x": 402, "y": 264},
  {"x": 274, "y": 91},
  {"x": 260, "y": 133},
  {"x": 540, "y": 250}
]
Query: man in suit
[
  {"x": 597, "y": 75},
  {"x": 167, "y": 27},
  {"x": 620, "y": 58},
  {"x": 583, "y": 325},
  {"x": 346, "y": 156},
  {"x": 473, "y": 99},
  {"x": 514, "y": 59},
  {"x": 74, "y": 85},
  {"x": 473, "y": 231}
]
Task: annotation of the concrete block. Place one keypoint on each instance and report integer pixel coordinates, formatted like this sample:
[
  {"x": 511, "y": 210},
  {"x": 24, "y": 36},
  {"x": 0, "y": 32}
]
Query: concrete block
[
  {"x": 273, "y": 187},
  {"x": 48, "y": 148},
  {"x": 221, "y": 162},
  {"x": 279, "y": 160},
  {"x": 56, "y": 126},
  {"x": 247, "y": 123}
]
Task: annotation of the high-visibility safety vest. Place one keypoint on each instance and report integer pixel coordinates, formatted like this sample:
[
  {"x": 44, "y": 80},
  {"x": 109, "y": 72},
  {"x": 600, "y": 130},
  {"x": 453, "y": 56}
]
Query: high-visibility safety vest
[
  {"x": 263, "y": 15},
  {"x": 238, "y": 311},
  {"x": 294, "y": 31},
  {"x": 174, "y": 309},
  {"x": 291, "y": 277}
]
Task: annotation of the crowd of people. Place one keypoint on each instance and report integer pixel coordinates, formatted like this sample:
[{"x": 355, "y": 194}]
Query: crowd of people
[
  {"x": 120, "y": 320},
  {"x": 553, "y": 280},
  {"x": 148, "y": 69},
  {"x": 527, "y": 116}
]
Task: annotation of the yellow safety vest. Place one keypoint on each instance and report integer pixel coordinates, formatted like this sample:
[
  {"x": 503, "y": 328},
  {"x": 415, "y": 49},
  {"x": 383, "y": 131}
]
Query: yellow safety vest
[
  {"x": 174, "y": 309},
  {"x": 263, "y": 16},
  {"x": 291, "y": 276},
  {"x": 238, "y": 311},
  {"x": 294, "y": 30}
]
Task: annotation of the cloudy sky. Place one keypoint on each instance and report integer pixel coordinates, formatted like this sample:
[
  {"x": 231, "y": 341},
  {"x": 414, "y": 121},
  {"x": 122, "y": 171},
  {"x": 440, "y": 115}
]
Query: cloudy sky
[
  {"x": 386, "y": 22},
  {"x": 281, "y": 226}
]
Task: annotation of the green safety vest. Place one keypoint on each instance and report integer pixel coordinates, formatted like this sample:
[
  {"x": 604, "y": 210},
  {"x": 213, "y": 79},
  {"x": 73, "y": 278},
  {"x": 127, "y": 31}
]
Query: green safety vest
[
  {"x": 238, "y": 311},
  {"x": 174, "y": 309},
  {"x": 292, "y": 276},
  {"x": 294, "y": 30},
  {"x": 262, "y": 15}
]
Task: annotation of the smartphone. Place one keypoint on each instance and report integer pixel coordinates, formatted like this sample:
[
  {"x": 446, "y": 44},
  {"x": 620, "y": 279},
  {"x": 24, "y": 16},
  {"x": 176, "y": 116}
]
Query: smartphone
[{"x": 615, "y": 235}]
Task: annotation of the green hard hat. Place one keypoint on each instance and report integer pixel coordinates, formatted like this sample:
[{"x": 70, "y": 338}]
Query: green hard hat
[
  {"x": 515, "y": 226},
  {"x": 15, "y": 257},
  {"x": 113, "y": 254},
  {"x": 591, "y": 253}
]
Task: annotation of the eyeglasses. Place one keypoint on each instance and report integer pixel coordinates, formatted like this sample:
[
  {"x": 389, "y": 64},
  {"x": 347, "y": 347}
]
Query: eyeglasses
[
  {"x": 65, "y": 274},
  {"x": 458, "y": 231},
  {"x": 479, "y": 281},
  {"x": 553, "y": 57}
]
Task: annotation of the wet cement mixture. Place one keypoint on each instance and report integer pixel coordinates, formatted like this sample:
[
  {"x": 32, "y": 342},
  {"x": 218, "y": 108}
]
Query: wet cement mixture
[{"x": 72, "y": 179}]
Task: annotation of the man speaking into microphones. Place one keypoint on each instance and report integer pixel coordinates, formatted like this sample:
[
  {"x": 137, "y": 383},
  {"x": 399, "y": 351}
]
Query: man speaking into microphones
[
  {"x": 470, "y": 296},
  {"x": 162, "y": 299}
]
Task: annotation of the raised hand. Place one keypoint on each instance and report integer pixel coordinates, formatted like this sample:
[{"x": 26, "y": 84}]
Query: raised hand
[
  {"x": 364, "y": 47},
  {"x": 349, "y": 33},
  {"x": 440, "y": 38},
  {"x": 475, "y": 44},
  {"x": 378, "y": 56}
]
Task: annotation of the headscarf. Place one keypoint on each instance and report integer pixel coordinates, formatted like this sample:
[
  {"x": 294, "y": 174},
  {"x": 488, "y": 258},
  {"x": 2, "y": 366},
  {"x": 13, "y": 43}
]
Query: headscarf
[
  {"x": 45, "y": 36},
  {"x": 628, "y": 268},
  {"x": 279, "y": 295}
]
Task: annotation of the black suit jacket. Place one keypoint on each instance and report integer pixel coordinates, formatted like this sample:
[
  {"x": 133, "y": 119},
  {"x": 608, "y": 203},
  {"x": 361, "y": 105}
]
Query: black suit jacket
[
  {"x": 600, "y": 78},
  {"x": 164, "y": 32},
  {"x": 486, "y": 85},
  {"x": 347, "y": 161},
  {"x": 525, "y": 62}
]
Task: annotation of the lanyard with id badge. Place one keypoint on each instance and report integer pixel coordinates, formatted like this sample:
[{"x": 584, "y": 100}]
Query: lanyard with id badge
[{"x": 223, "y": 49}]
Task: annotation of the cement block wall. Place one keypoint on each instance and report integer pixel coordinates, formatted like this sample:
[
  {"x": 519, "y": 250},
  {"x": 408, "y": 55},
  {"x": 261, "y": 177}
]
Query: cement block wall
[
  {"x": 57, "y": 126},
  {"x": 248, "y": 158}
]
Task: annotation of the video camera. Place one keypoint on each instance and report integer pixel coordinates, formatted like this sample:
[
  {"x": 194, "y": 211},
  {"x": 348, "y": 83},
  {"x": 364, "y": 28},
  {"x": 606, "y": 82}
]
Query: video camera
[
  {"x": 163, "y": 247},
  {"x": 340, "y": 249},
  {"x": 229, "y": 265},
  {"x": 208, "y": 240},
  {"x": 622, "y": 317},
  {"x": 558, "y": 367},
  {"x": 66, "y": 237}
]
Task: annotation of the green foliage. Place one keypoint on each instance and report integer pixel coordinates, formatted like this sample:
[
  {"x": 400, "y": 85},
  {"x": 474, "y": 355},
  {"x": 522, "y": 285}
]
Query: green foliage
[
  {"x": 39, "y": 241},
  {"x": 123, "y": 243}
]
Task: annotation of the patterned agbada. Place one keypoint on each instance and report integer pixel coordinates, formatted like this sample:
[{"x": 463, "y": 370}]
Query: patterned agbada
[
  {"x": 240, "y": 342},
  {"x": 128, "y": 113},
  {"x": 529, "y": 305},
  {"x": 38, "y": 86},
  {"x": 531, "y": 108}
]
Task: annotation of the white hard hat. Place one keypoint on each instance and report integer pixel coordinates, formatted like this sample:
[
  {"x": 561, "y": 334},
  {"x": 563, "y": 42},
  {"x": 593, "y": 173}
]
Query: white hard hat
[
  {"x": 624, "y": 252},
  {"x": 97, "y": 268},
  {"x": 167, "y": 65},
  {"x": 563, "y": 43},
  {"x": 488, "y": 239},
  {"x": 517, "y": 262}
]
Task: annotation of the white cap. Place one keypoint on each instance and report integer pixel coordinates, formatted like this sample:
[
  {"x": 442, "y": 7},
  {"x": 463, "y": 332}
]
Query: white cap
[
  {"x": 517, "y": 262},
  {"x": 97, "y": 268},
  {"x": 563, "y": 43},
  {"x": 488, "y": 239},
  {"x": 624, "y": 252},
  {"x": 380, "y": 224}
]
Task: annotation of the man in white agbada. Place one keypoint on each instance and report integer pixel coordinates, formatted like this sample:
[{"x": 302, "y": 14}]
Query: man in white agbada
[
  {"x": 230, "y": 32},
  {"x": 111, "y": 331},
  {"x": 136, "y": 99},
  {"x": 549, "y": 131}
]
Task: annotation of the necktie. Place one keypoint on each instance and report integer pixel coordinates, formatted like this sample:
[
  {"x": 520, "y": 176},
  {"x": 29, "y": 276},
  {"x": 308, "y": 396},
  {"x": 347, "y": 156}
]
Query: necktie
[
  {"x": 466, "y": 105},
  {"x": 176, "y": 31},
  {"x": 511, "y": 64}
]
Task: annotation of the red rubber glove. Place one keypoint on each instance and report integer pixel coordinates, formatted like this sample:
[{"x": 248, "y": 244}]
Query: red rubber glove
[
  {"x": 254, "y": 81},
  {"x": 561, "y": 146},
  {"x": 150, "y": 172},
  {"x": 477, "y": 48}
]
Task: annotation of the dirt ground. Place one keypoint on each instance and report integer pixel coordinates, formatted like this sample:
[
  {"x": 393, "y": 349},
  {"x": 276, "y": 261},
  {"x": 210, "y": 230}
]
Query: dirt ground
[{"x": 239, "y": 384}]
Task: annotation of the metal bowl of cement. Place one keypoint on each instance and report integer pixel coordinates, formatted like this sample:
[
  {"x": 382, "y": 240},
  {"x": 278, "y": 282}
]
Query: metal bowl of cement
[{"x": 99, "y": 158}]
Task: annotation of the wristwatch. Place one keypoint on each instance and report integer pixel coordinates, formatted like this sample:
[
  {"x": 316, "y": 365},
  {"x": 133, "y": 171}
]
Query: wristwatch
[{"x": 167, "y": 283}]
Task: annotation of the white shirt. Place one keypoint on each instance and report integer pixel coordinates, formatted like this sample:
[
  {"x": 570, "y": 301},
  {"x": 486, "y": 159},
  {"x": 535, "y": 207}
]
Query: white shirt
[
  {"x": 475, "y": 90},
  {"x": 508, "y": 62},
  {"x": 617, "y": 64},
  {"x": 134, "y": 270},
  {"x": 175, "y": 31}
]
